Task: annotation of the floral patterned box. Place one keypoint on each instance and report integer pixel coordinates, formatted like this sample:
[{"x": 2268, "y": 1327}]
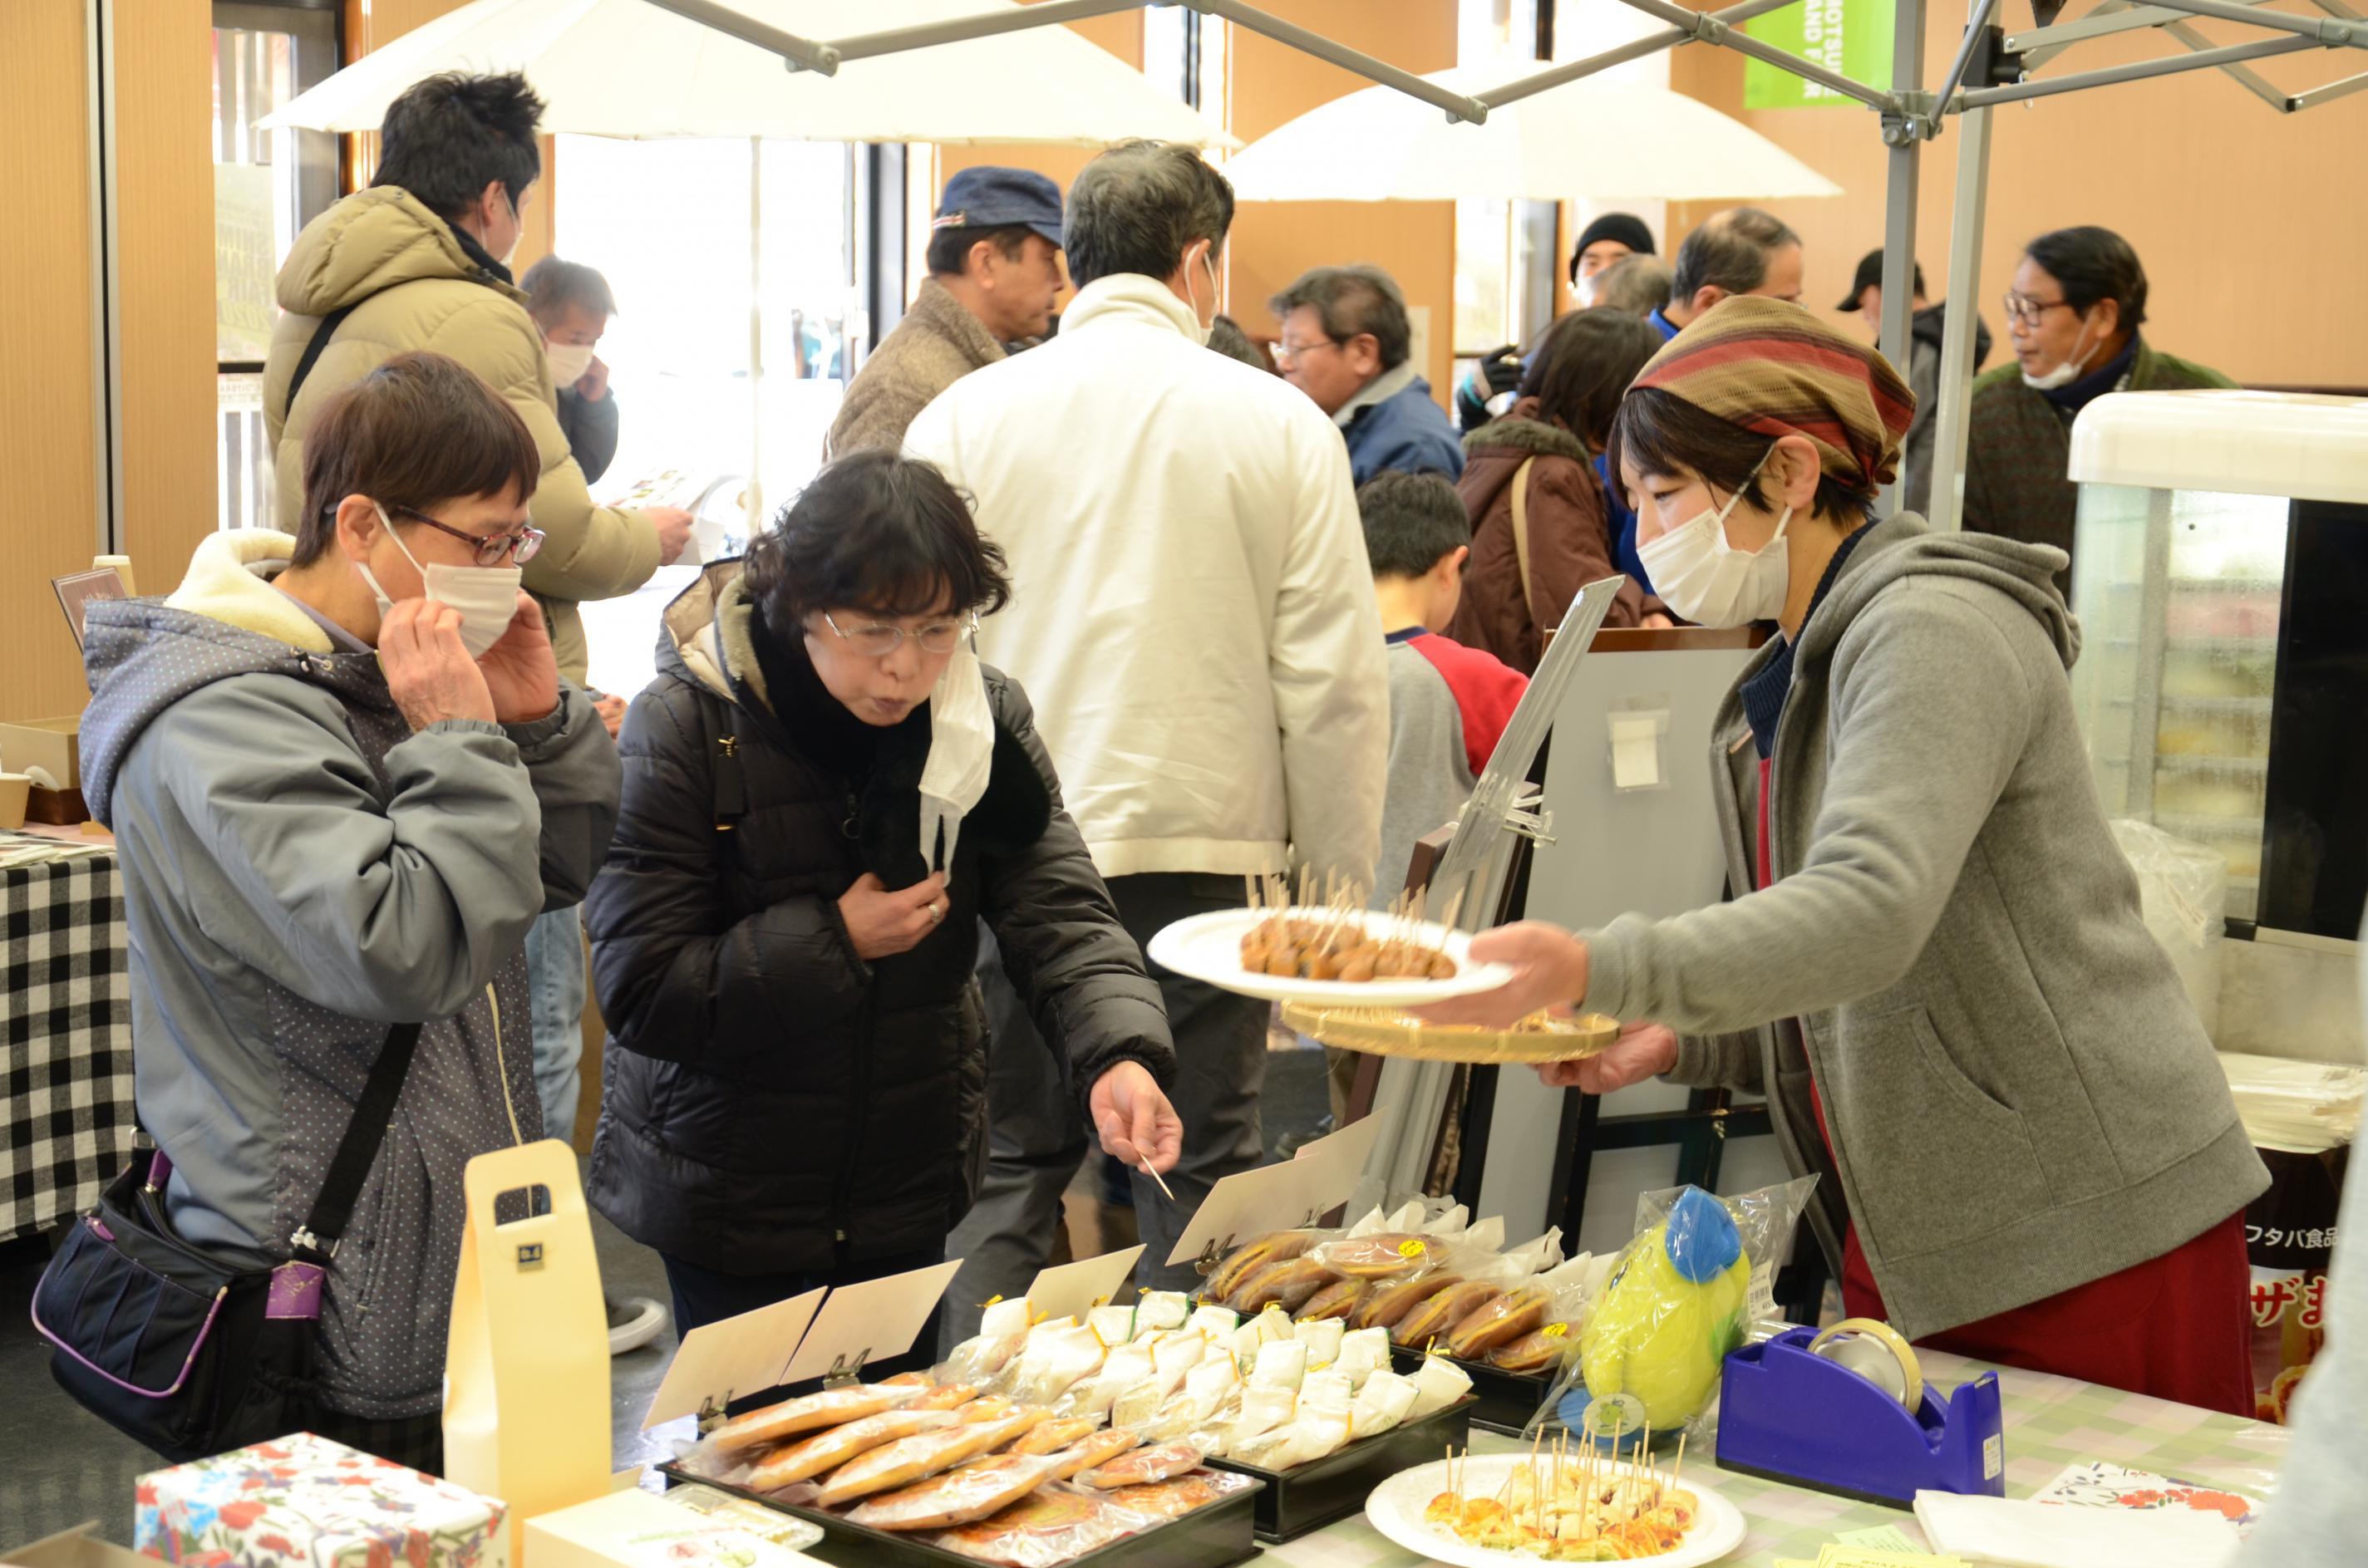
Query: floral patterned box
[{"x": 305, "y": 1502}]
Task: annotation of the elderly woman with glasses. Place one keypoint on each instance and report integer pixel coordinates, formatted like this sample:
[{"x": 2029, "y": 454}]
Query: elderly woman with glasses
[
  {"x": 824, "y": 794},
  {"x": 345, "y": 776}
]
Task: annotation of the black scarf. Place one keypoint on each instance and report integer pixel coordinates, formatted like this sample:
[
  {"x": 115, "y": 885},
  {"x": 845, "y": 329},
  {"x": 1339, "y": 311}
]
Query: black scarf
[{"x": 881, "y": 766}]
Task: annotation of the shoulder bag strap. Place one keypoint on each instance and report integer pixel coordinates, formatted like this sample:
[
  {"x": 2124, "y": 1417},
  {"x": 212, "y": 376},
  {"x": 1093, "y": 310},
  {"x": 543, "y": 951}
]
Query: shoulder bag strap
[
  {"x": 1522, "y": 526},
  {"x": 317, "y": 1242},
  {"x": 320, "y": 335}
]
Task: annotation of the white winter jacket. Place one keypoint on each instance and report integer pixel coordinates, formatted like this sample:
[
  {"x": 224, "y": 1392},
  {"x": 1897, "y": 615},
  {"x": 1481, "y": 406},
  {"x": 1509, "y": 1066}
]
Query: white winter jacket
[{"x": 1193, "y": 610}]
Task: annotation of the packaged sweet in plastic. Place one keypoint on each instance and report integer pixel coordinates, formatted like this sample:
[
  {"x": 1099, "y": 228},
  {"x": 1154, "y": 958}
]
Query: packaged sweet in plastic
[
  {"x": 1050, "y": 1525},
  {"x": 1431, "y": 1317},
  {"x": 1322, "y": 1338},
  {"x": 1246, "y": 1260},
  {"x": 1499, "y": 1321},
  {"x": 1387, "y": 1400},
  {"x": 957, "y": 1497},
  {"x": 827, "y": 1408},
  {"x": 1141, "y": 1465},
  {"x": 1363, "y": 1352},
  {"x": 1099, "y": 1448},
  {"x": 828, "y": 1450},
  {"x": 1671, "y": 1311},
  {"x": 1438, "y": 1382},
  {"x": 910, "y": 1460}
]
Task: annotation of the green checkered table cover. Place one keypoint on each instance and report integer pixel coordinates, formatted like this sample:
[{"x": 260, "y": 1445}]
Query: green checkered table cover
[{"x": 2051, "y": 1423}]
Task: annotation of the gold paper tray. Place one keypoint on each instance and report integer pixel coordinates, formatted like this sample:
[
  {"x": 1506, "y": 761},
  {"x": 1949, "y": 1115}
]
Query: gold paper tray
[{"x": 1385, "y": 1031}]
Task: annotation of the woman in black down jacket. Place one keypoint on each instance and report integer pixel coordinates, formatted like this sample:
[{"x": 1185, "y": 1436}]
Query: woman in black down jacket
[{"x": 795, "y": 1080}]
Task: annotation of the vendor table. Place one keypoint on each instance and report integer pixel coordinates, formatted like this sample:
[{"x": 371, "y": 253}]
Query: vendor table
[
  {"x": 2050, "y": 1423},
  {"x": 65, "y": 1040}
]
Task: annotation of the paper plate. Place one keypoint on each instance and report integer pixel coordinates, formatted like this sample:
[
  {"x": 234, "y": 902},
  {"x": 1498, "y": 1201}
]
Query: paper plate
[
  {"x": 1396, "y": 1508},
  {"x": 1209, "y": 947}
]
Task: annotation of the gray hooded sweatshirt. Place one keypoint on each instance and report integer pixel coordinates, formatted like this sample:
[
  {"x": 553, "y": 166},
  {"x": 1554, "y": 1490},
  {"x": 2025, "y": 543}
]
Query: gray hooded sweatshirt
[
  {"x": 2021, "y": 1096},
  {"x": 301, "y": 872}
]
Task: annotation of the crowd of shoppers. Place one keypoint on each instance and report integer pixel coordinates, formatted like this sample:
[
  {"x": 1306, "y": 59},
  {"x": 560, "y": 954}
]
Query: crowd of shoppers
[{"x": 1086, "y": 620}]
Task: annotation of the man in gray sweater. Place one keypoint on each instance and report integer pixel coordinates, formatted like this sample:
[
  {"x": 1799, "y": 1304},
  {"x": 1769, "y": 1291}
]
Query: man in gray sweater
[{"x": 995, "y": 272}]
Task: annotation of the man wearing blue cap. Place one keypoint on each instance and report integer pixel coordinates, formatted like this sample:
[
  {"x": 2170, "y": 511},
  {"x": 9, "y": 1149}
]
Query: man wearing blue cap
[{"x": 995, "y": 272}]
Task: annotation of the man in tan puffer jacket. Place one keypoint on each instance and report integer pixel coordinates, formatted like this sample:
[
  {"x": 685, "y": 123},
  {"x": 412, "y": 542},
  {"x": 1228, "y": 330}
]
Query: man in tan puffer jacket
[{"x": 413, "y": 261}]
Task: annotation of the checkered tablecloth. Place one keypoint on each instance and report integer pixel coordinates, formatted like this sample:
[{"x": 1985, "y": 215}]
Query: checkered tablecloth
[
  {"x": 2050, "y": 1423},
  {"x": 65, "y": 1040}
]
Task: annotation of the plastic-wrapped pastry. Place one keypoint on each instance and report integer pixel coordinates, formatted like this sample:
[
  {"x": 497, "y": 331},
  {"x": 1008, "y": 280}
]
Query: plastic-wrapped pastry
[
  {"x": 978, "y": 1359},
  {"x": 1389, "y": 1302},
  {"x": 1310, "y": 1434},
  {"x": 986, "y": 1407},
  {"x": 1121, "y": 1370},
  {"x": 1286, "y": 1285},
  {"x": 1327, "y": 1391},
  {"x": 1112, "y": 1325},
  {"x": 1174, "y": 1499},
  {"x": 1438, "y": 1383},
  {"x": 1161, "y": 1310},
  {"x": 1434, "y": 1315},
  {"x": 1214, "y": 1322},
  {"x": 1336, "y": 1299},
  {"x": 1049, "y": 1527},
  {"x": 1262, "y": 1410},
  {"x": 828, "y": 1450},
  {"x": 1323, "y": 1337},
  {"x": 1280, "y": 1365},
  {"x": 1364, "y": 1351},
  {"x": 1142, "y": 1466},
  {"x": 1101, "y": 1447},
  {"x": 1385, "y": 1255},
  {"x": 958, "y": 1497},
  {"x": 945, "y": 1396},
  {"x": 1498, "y": 1322},
  {"x": 1380, "y": 1404},
  {"x": 1054, "y": 1362},
  {"x": 1537, "y": 1350},
  {"x": 1246, "y": 1260},
  {"x": 828, "y": 1408},
  {"x": 1537, "y": 1257},
  {"x": 913, "y": 1459},
  {"x": 1057, "y": 1434}
]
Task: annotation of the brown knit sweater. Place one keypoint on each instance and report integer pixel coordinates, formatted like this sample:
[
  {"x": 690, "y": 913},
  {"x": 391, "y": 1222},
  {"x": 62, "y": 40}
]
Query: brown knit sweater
[{"x": 937, "y": 344}]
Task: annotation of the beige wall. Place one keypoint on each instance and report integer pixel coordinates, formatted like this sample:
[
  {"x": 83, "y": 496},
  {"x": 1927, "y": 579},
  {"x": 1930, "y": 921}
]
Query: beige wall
[
  {"x": 2249, "y": 233},
  {"x": 1274, "y": 241},
  {"x": 48, "y": 391}
]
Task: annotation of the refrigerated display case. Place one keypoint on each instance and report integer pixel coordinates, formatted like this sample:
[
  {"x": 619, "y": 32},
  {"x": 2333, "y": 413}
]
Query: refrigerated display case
[{"x": 2220, "y": 572}]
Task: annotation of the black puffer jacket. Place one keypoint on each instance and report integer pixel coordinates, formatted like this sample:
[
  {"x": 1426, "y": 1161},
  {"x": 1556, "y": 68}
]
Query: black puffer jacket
[{"x": 774, "y": 1102}]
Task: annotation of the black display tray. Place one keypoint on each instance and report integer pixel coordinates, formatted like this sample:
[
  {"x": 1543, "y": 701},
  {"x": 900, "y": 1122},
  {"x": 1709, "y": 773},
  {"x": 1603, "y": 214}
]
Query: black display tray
[
  {"x": 1505, "y": 1401},
  {"x": 1307, "y": 1497},
  {"x": 1218, "y": 1536}
]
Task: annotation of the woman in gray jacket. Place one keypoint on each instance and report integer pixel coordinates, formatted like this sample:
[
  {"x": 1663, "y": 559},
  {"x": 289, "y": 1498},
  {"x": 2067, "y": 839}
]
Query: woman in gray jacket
[
  {"x": 345, "y": 776},
  {"x": 1941, "y": 982}
]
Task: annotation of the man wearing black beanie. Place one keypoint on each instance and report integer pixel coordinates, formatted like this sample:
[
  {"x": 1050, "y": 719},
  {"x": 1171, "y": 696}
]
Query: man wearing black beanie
[{"x": 1609, "y": 238}]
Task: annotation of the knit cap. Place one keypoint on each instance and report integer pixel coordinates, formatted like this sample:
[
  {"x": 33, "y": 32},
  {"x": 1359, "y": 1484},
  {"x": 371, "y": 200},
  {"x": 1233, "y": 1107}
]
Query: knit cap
[{"x": 1772, "y": 367}]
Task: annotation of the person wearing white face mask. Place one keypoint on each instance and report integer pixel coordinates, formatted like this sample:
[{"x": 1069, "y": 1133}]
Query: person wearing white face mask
[
  {"x": 346, "y": 777},
  {"x": 420, "y": 260},
  {"x": 571, "y": 304},
  {"x": 1935, "y": 967},
  {"x": 2078, "y": 300},
  {"x": 1194, "y": 614}
]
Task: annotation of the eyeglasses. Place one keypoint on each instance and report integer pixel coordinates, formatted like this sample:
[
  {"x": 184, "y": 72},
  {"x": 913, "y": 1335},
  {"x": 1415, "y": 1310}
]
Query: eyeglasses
[
  {"x": 1285, "y": 351},
  {"x": 2025, "y": 310},
  {"x": 519, "y": 547},
  {"x": 877, "y": 639}
]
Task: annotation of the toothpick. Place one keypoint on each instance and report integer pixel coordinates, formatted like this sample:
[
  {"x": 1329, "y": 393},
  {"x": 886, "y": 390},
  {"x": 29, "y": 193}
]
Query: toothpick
[
  {"x": 1678, "y": 1473},
  {"x": 1157, "y": 1182},
  {"x": 1455, "y": 908}
]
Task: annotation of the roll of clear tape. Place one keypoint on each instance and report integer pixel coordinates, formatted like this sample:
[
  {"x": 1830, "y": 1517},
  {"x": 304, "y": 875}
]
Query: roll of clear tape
[{"x": 1877, "y": 1352}]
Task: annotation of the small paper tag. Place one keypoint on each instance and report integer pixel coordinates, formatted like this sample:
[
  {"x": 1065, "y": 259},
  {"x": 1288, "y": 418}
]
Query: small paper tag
[
  {"x": 1993, "y": 1456},
  {"x": 1555, "y": 1330},
  {"x": 1411, "y": 1249}
]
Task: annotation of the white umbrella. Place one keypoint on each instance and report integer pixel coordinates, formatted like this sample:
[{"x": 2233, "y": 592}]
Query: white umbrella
[
  {"x": 627, "y": 68},
  {"x": 1592, "y": 140}
]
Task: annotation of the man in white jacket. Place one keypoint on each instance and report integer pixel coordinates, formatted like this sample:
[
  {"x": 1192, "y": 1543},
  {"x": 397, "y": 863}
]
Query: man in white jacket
[{"x": 1193, "y": 613}]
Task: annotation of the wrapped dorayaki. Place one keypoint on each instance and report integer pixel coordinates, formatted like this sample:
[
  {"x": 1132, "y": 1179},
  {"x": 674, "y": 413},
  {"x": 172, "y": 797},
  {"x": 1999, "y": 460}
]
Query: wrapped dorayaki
[
  {"x": 1392, "y": 1299},
  {"x": 1275, "y": 1246},
  {"x": 1433, "y": 1315},
  {"x": 1499, "y": 1321},
  {"x": 1286, "y": 1284}
]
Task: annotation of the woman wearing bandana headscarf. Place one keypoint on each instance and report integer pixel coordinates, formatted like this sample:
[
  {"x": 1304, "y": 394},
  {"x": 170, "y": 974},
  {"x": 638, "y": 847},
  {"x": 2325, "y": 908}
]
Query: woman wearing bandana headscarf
[
  {"x": 824, "y": 794},
  {"x": 1934, "y": 967}
]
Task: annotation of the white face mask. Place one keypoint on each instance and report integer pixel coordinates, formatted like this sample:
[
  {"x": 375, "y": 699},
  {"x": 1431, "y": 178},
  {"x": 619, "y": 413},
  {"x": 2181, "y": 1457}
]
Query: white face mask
[
  {"x": 486, "y": 596},
  {"x": 1709, "y": 581},
  {"x": 2063, "y": 375},
  {"x": 1203, "y": 327},
  {"x": 568, "y": 362}
]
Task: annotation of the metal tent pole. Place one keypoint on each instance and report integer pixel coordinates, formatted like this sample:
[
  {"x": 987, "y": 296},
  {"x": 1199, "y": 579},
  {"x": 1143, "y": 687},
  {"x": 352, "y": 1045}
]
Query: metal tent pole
[
  {"x": 1946, "y": 509},
  {"x": 2112, "y": 74},
  {"x": 2329, "y": 30},
  {"x": 1458, "y": 106},
  {"x": 1744, "y": 43},
  {"x": 1705, "y": 30},
  {"x": 1902, "y": 133}
]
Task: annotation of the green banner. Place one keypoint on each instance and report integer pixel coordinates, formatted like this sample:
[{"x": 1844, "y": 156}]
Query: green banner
[{"x": 1852, "y": 37}]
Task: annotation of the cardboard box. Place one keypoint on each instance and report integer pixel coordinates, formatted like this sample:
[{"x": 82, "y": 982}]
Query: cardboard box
[
  {"x": 636, "y": 1530},
  {"x": 77, "y": 1548},
  {"x": 50, "y": 745},
  {"x": 305, "y": 1502}
]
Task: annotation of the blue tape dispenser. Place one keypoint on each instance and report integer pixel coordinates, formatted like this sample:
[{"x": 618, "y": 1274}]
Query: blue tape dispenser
[{"x": 1847, "y": 1412}]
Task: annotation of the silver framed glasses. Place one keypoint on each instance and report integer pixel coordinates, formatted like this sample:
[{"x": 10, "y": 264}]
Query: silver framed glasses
[{"x": 877, "y": 639}]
